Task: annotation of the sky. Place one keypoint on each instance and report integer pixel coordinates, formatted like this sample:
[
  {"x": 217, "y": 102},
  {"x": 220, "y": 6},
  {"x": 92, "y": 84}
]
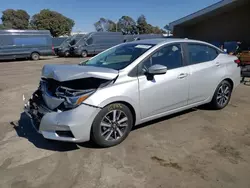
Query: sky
[{"x": 86, "y": 12}]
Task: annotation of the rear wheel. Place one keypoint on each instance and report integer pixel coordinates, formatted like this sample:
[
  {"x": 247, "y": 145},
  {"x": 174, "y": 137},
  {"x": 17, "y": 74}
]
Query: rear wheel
[
  {"x": 112, "y": 125},
  {"x": 84, "y": 53},
  {"x": 222, "y": 95},
  {"x": 35, "y": 56}
]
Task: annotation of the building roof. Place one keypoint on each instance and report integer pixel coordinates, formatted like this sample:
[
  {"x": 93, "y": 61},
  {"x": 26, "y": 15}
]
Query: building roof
[{"x": 210, "y": 11}]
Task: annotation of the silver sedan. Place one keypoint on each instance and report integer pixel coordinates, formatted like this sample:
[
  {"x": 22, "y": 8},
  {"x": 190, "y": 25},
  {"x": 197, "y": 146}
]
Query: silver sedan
[{"x": 103, "y": 98}]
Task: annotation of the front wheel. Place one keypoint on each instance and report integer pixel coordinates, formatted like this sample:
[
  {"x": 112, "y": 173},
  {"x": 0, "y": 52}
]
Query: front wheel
[
  {"x": 222, "y": 95},
  {"x": 112, "y": 125},
  {"x": 84, "y": 53}
]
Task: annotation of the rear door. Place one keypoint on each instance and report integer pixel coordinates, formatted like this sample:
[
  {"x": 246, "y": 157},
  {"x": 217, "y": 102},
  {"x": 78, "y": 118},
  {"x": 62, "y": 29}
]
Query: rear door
[{"x": 206, "y": 71}]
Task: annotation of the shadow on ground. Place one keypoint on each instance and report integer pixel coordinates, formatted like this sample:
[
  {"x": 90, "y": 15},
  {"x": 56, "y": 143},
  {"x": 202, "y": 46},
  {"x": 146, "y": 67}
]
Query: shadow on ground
[
  {"x": 165, "y": 118},
  {"x": 24, "y": 129},
  {"x": 27, "y": 59}
]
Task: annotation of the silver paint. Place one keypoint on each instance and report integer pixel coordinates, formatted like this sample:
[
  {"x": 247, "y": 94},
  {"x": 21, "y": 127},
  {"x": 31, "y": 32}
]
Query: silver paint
[
  {"x": 63, "y": 73},
  {"x": 177, "y": 90}
]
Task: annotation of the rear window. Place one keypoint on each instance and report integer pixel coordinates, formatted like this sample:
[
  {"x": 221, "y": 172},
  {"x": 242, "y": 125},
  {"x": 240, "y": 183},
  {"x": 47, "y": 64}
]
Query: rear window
[{"x": 199, "y": 53}]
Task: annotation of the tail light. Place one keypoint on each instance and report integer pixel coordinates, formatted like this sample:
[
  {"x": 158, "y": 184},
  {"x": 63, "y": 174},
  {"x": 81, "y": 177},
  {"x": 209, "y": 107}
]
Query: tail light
[{"x": 237, "y": 61}]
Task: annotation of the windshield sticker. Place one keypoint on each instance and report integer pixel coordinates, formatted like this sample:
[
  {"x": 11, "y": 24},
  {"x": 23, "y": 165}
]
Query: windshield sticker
[{"x": 143, "y": 46}]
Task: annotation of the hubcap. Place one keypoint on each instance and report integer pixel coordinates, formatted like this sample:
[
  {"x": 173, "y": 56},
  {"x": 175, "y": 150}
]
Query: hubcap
[
  {"x": 35, "y": 56},
  {"x": 114, "y": 125},
  {"x": 223, "y": 94},
  {"x": 84, "y": 54}
]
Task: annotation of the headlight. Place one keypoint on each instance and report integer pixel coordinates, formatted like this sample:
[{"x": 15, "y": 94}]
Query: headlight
[
  {"x": 73, "y": 102},
  {"x": 73, "y": 98}
]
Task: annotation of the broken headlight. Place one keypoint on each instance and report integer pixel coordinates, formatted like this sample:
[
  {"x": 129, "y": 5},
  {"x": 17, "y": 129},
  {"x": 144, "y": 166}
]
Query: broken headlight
[{"x": 73, "y": 98}]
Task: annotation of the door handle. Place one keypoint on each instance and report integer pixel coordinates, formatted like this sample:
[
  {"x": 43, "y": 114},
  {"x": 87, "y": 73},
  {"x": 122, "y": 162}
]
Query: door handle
[
  {"x": 182, "y": 75},
  {"x": 217, "y": 64}
]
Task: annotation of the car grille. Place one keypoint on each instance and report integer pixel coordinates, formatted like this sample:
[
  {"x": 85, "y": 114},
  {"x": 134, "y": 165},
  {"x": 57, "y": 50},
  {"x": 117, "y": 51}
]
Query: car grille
[{"x": 37, "y": 108}]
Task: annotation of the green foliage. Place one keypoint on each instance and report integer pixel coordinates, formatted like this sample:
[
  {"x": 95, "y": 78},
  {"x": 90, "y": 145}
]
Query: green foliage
[
  {"x": 145, "y": 28},
  {"x": 127, "y": 25},
  {"x": 53, "y": 21},
  {"x": 1, "y": 27},
  {"x": 142, "y": 25},
  {"x": 105, "y": 25},
  {"x": 15, "y": 19}
]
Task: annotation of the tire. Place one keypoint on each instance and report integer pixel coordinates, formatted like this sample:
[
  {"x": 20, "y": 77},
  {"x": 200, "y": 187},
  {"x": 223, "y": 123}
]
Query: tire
[
  {"x": 107, "y": 131},
  {"x": 35, "y": 56},
  {"x": 221, "y": 96},
  {"x": 84, "y": 53},
  {"x": 66, "y": 54}
]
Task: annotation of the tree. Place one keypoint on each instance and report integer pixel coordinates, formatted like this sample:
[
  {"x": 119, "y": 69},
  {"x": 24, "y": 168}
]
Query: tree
[
  {"x": 146, "y": 28},
  {"x": 127, "y": 25},
  {"x": 53, "y": 21},
  {"x": 142, "y": 25},
  {"x": 1, "y": 27},
  {"x": 15, "y": 19},
  {"x": 105, "y": 25}
]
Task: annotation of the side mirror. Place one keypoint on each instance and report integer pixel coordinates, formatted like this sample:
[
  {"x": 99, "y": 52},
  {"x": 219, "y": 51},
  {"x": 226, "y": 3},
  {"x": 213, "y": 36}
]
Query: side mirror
[{"x": 157, "y": 69}]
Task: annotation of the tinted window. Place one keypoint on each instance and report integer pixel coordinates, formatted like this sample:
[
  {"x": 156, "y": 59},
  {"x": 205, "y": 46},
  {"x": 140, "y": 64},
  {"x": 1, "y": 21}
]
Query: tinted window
[
  {"x": 169, "y": 56},
  {"x": 201, "y": 53},
  {"x": 30, "y": 40}
]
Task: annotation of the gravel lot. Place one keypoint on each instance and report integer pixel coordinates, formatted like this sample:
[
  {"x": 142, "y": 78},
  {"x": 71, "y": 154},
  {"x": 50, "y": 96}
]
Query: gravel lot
[{"x": 197, "y": 148}]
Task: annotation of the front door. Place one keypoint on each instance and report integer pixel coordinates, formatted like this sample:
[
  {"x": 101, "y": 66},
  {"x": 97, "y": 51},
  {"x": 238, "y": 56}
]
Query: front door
[{"x": 164, "y": 92}]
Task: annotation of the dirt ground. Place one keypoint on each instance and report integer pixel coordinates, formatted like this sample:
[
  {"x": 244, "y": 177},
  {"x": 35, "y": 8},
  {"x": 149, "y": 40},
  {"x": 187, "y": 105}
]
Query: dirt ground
[{"x": 196, "y": 148}]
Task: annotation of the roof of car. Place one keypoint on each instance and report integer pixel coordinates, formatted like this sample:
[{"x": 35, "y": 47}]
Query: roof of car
[{"x": 163, "y": 40}]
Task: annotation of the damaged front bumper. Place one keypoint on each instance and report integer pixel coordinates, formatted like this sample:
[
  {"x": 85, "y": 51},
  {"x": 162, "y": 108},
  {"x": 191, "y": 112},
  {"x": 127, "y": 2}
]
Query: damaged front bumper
[{"x": 72, "y": 125}]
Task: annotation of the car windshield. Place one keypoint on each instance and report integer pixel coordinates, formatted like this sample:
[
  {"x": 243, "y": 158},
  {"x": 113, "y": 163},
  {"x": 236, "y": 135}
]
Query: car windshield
[
  {"x": 118, "y": 57},
  {"x": 66, "y": 41}
]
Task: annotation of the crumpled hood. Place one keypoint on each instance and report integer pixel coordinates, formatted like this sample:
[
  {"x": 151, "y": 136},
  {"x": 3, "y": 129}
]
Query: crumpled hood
[{"x": 72, "y": 72}]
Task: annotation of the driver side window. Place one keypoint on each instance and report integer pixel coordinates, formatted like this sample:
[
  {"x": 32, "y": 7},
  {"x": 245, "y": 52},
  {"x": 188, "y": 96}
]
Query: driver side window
[{"x": 169, "y": 56}]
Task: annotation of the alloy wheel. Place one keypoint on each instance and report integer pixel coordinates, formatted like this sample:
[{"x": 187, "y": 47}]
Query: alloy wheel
[
  {"x": 114, "y": 125},
  {"x": 223, "y": 94}
]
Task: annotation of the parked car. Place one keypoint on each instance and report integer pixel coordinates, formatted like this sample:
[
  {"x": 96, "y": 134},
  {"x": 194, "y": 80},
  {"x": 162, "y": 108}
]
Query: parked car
[
  {"x": 25, "y": 44},
  {"x": 102, "y": 98},
  {"x": 64, "y": 49},
  {"x": 96, "y": 42}
]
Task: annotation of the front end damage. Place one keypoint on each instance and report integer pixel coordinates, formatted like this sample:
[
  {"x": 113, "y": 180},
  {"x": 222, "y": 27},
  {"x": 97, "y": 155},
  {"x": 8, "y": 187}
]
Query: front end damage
[{"x": 57, "y": 110}]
